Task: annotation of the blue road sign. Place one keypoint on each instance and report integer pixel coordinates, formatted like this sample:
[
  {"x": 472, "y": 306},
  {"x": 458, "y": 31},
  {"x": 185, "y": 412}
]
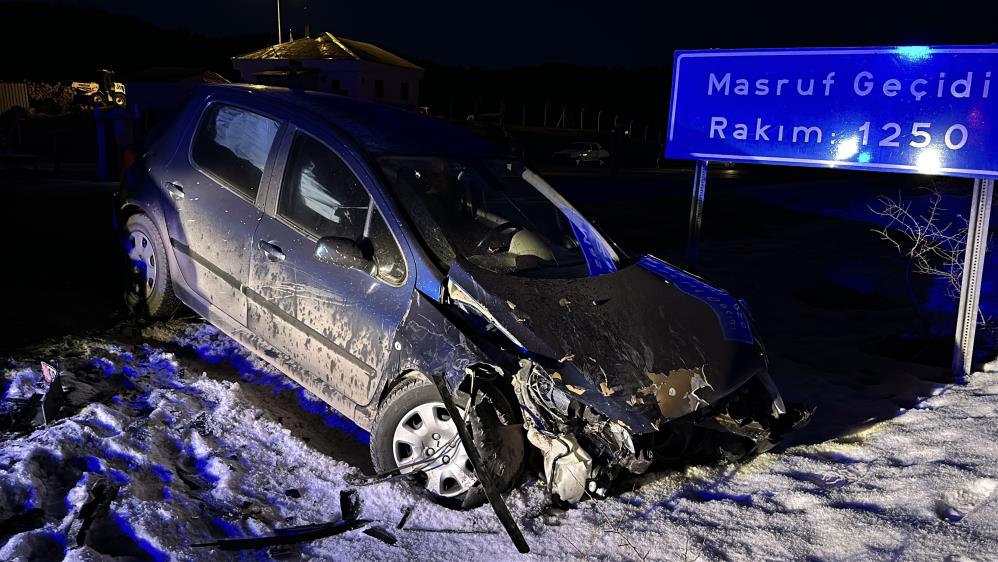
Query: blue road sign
[{"x": 927, "y": 110}]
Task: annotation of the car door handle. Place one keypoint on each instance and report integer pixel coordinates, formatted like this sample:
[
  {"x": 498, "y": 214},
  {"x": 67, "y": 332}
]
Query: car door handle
[
  {"x": 176, "y": 190},
  {"x": 273, "y": 251}
]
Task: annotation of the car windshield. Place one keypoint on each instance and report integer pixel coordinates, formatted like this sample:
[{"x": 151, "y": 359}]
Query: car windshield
[
  {"x": 580, "y": 146},
  {"x": 498, "y": 215}
]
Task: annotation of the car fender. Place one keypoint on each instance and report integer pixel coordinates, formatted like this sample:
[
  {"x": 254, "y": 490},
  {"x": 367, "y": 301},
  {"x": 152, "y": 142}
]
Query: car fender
[{"x": 436, "y": 338}]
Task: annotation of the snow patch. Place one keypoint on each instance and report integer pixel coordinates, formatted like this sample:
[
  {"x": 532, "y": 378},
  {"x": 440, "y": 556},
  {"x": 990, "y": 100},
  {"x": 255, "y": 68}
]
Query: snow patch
[
  {"x": 186, "y": 456},
  {"x": 22, "y": 384},
  {"x": 956, "y": 504}
]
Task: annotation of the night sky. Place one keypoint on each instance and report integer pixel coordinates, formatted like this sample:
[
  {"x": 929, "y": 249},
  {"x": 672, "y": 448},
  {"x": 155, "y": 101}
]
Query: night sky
[{"x": 607, "y": 33}]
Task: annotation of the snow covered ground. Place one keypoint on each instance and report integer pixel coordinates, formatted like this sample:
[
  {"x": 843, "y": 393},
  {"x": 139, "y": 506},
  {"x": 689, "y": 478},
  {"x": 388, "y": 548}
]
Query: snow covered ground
[{"x": 175, "y": 436}]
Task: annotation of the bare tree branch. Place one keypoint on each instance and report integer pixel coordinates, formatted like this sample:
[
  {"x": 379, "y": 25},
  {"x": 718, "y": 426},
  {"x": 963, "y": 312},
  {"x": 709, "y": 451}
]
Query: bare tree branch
[{"x": 931, "y": 246}]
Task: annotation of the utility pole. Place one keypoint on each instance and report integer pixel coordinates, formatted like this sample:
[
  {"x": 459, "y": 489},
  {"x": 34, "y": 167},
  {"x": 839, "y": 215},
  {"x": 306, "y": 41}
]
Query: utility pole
[{"x": 279, "y": 22}]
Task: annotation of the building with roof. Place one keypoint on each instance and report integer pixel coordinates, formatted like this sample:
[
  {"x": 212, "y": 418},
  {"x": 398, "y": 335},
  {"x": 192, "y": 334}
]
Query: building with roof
[{"x": 327, "y": 63}]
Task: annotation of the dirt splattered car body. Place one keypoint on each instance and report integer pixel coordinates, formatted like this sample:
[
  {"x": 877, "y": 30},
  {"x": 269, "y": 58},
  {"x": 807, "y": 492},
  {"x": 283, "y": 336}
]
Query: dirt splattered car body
[{"x": 466, "y": 264}]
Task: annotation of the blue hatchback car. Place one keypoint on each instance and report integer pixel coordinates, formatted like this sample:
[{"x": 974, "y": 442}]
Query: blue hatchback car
[{"x": 360, "y": 248}]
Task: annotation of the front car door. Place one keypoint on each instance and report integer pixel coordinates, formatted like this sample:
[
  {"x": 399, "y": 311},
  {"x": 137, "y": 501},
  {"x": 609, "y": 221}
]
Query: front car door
[
  {"x": 336, "y": 323},
  {"x": 214, "y": 187}
]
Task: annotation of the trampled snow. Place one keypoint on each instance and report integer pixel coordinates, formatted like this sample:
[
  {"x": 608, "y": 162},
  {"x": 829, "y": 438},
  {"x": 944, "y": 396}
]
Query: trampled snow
[{"x": 182, "y": 437}]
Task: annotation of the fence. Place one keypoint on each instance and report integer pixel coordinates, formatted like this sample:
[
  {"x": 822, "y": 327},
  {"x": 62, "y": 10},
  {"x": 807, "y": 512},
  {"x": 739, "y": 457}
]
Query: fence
[
  {"x": 555, "y": 116},
  {"x": 13, "y": 94}
]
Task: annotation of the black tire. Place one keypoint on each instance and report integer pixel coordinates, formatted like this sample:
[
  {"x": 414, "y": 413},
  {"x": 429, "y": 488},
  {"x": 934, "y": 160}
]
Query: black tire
[
  {"x": 149, "y": 286},
  {"x": 502, "y": 449},
  {"x": 98, "y": 99}
]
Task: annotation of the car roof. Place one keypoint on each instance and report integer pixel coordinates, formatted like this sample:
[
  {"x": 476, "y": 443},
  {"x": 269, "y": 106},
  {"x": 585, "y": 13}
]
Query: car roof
[{"x": 378, "y": 128}]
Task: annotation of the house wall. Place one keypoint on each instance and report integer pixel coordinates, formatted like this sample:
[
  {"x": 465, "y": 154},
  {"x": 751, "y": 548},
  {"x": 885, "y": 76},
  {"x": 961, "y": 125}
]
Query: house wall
[
  {"x": 357, "y": 79},
  {"x": 392, "y": 78},
  {"x": 344, "y": 74}
]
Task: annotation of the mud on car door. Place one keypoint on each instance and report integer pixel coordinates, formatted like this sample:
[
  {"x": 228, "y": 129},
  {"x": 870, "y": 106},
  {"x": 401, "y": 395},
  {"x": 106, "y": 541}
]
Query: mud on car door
[
  {"x": 335, "y": 312},
  {"x": 214, "y": 188}
]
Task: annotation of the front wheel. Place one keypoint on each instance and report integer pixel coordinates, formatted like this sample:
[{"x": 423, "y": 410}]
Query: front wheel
[
  {"x": 413, "y": 430},
  {"x": 149, "y": 288}
]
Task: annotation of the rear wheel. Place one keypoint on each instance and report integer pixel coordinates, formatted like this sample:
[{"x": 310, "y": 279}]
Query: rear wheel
[
  {"x": 414, "y": 430},
  {"x": 149, "y": 288}
]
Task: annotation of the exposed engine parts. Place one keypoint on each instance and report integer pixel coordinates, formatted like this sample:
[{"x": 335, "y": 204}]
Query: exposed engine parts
[
  {"x": 567, "y": 466},
  {"x": 582, "y": 449}
]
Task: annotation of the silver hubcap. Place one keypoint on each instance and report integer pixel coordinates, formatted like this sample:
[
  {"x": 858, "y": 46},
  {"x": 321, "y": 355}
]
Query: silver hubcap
[
  {"x": 144, "y": 264},
  {"x": 424, "y": 433}
]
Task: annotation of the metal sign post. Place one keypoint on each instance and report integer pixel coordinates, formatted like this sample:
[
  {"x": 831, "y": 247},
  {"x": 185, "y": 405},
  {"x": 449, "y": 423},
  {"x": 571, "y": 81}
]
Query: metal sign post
[
  {"x": 696, "y": 214},
  {"x": 973, "y": 271}
]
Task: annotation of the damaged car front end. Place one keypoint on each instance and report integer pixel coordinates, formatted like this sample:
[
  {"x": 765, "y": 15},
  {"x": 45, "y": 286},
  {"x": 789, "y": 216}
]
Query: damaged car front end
[{"x": 615, "y": 362}]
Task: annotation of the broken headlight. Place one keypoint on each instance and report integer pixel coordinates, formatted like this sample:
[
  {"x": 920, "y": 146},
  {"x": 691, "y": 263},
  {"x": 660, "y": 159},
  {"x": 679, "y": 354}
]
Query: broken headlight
[{"x": 470, "y": 305}]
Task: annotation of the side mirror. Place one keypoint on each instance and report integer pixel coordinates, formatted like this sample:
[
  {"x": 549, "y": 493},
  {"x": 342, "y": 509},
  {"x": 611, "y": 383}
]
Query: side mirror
[{"x": 342, "y": 252}]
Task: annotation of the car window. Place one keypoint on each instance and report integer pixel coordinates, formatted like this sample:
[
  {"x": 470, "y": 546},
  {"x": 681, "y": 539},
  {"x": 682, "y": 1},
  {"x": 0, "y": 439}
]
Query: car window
[
  {"x": 387, "y": 254},
  {"x": 232, "y": 144},
  {"x": 320, "y": 194},
  {"x": 496, "y": 214},
  {"x": 324, "y": 198}
]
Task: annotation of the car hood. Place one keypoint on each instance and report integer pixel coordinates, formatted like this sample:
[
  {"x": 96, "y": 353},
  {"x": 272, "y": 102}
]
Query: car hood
[{"x": 643, "y": 344}]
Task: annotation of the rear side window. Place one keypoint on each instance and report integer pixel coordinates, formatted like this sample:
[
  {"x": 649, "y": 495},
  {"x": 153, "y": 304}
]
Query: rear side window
[{"x": 232, "y": 144}]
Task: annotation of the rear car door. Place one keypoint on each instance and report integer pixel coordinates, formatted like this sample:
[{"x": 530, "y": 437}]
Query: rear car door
[
  {"x": 337, "y": 323},
  {"x": 214, "y": 187}
]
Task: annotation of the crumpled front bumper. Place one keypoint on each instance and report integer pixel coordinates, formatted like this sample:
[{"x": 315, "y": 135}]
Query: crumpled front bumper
[
  {"x": 747, "y": 422},
  {"x": 584, "y": 451}
]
